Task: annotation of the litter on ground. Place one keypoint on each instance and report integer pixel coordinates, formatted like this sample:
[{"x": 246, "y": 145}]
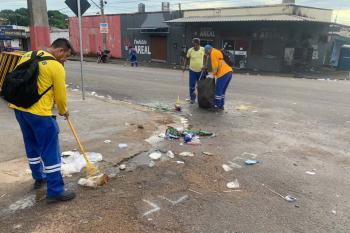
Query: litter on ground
[
  {"x": 207, "y": 153},
  {"x": 170, "y": 154},
  {"x": 251, "y": 162},
  {"x": 122, "y": 167},
  {"x": 172, "y": 133},
  {"x": 195, "y": 141},
  {"x": 155, "y": 155},
  {"x": 107, "y": 141},
  {"x": 151, "y": 163},
  {"x": 186, "y": 154},
  {"x": 310, "y": 173},
  {"x": 180, "y": 162},
  {"x": 156, "y": 137},
  {"x": 73, "y": 161},
  {"x": 290, "y": 198},
  {"x": 122, "y": 145},
  {"x": 226, "y": 167},
  {"x": 94, "y": 181},
  {"x": 233, "y": 185}
]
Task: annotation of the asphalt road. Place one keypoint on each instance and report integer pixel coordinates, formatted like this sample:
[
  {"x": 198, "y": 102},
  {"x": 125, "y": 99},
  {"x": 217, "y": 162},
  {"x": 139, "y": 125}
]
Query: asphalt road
[
  {"x": 297, "y": 128},
  {"x": 291, "y": 125}
]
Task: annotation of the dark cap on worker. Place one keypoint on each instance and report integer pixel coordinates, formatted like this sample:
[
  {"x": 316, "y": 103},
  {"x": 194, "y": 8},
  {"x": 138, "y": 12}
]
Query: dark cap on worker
[{"x": 207, "y": 48}]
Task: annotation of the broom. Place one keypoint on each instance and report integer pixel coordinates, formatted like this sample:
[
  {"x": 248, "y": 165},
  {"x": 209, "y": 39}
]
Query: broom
[{"x": 90, "y": 168}]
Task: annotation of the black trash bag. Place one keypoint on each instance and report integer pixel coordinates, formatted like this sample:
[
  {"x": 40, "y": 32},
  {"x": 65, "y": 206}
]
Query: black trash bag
[{"x": 206, "y": 92}]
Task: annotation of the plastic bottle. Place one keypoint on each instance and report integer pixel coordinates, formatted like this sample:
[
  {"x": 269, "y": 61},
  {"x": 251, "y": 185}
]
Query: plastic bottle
[{"x": 188, "y": 137}]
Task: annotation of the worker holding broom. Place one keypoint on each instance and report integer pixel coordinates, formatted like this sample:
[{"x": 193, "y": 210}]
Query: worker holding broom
[
  {"x": 37, "y": 122},
  {"x": 195, "y": 55}
]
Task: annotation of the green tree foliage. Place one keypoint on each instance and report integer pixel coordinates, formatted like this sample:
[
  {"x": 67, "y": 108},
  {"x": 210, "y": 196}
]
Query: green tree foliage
[
  {"x": 57, "y": 19},
  {"x": 21, "y": 17}
]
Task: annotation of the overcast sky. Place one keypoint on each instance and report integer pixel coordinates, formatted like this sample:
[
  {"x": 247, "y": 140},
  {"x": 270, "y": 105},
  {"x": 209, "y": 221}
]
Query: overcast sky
[{"x": 341, "y": 7}]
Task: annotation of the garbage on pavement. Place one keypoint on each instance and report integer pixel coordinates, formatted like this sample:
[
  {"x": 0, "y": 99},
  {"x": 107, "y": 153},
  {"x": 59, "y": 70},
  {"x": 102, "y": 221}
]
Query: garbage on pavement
[
  {"x": 73, "y": 161},
  {"x": 251, "y": 162},
  {"x": 172, "y": 133},
  {"x": 290, "y": 198},
  {"x": 195, "y": 141},
  {"x": 207, "y": 153},
  {"x": 155, "y": 155},
  {"x": 226, "y": 167},
  {"x": 151, "y": 163},
  {"x": 201, "y": 133},
  {"x": 122, "y": 145},
  {"x": 94, "y": 181},
  {"x": 170, "y": 154},
  {"x": 233, "y": 185},
  {"x": 190, "y": 137},
  {"x": 178, "y": 107},
  {"x": 122, "y": 167},
  {"x": 107, "y": 141},
  {"x": 186, "y": 154},
  {"x": 310, "y": 173},
  {"x": 180, "y": 162}
]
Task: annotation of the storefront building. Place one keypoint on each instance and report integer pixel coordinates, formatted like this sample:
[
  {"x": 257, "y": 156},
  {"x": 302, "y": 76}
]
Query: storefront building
[{"x": 275, "y": 38}]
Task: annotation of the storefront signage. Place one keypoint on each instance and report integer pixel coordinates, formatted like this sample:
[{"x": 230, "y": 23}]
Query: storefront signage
[
  {"x": 13, "y": 33},
  {"x": 206, "y": 33},
  {"x": 142, "y": 47},
  {"x": 103, "y": 27}
]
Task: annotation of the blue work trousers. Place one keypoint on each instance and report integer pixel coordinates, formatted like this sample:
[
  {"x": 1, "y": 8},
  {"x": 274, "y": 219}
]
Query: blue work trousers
[
  {"x": 220, "y": 89},
  {"x": 40, "y": 135}
]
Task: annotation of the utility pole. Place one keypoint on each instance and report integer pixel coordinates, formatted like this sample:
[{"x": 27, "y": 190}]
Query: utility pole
[
  {"x": 103, "y": 20},
  {"x": 38, "y": 24},
  {"x": 81, "y": 50}
]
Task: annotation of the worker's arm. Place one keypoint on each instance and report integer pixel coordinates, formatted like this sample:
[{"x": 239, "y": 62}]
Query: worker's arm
[
  {"x": 215, "y": 62},
  {"x": 205, "y": 62},
  {"x": 187, "y": 58},
  {"x": 59, "y": 88}
]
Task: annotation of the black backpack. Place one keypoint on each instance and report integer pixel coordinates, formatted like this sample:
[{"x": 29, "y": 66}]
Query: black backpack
[
  {"x": 21, "y": 85},
  {"x": 229, "y": 58}
]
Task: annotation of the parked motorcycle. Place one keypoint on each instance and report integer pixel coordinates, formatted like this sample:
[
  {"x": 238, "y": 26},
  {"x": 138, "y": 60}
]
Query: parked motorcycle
[{"x": 103, "y": 56}]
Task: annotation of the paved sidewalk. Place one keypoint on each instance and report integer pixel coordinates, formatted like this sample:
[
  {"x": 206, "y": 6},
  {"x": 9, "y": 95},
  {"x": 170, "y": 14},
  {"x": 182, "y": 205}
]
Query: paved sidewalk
[{"x": 96, "y": 120}]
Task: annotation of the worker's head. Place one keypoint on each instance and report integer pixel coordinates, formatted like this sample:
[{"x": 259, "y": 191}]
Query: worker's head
[
  {"x": 208, "y": 48},
  {"x": 196, "y": 42},
  {"x": 61, "y": 49}
]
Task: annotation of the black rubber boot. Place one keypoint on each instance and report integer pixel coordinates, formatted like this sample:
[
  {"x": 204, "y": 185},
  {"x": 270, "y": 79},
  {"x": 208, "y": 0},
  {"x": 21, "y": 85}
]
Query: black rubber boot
[
  {"x": 66, "y": 196},
  {"x": 39, "y": 183}
]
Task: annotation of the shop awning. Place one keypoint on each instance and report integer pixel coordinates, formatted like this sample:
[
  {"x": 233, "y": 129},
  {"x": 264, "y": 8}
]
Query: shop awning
[{"x": 249, "y": 18}]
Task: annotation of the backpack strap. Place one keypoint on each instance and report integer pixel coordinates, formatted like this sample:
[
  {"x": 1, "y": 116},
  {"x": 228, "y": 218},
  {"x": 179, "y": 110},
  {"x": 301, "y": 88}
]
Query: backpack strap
[
  {"x": 39, "y": 57},
  {"x": 46, "y": 91},
  {"x": 34, "y": 55}
]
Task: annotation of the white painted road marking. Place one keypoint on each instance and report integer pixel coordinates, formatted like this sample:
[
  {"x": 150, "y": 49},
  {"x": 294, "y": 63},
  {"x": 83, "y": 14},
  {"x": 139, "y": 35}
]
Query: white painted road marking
[
  {"x": 181, "y": 199},
  {"x": 155, "y": 207}
]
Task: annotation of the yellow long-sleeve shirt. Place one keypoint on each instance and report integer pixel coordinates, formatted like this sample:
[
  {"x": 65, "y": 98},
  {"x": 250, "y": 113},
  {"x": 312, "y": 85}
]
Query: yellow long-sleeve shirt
[{"x": 51, "y": 73}]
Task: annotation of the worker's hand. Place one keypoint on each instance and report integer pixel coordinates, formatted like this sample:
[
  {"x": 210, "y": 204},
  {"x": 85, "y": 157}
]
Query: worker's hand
[{"x": 65, "y": 115}]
